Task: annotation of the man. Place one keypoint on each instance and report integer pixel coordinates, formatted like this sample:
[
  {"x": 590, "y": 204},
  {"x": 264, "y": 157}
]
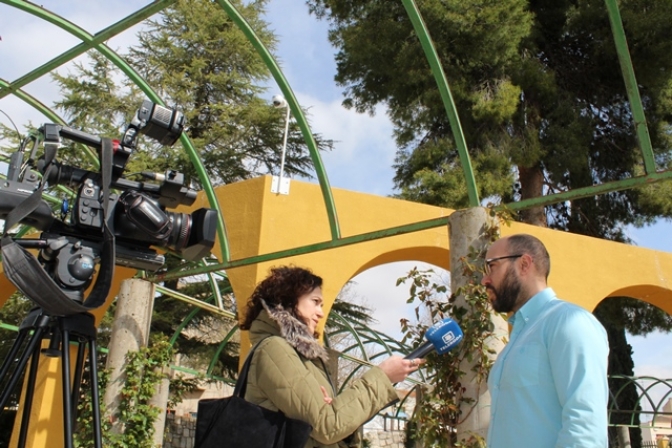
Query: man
[{"x": 549, "y": 384}]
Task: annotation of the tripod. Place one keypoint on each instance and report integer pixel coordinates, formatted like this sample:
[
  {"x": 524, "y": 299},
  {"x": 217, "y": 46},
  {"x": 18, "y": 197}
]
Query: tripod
[{"x": 61, "y": 331}]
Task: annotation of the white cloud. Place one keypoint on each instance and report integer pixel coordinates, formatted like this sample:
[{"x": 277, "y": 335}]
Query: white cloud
[
  {"x": 29, "y": 42},
  {"x": 363, "y": 151}
]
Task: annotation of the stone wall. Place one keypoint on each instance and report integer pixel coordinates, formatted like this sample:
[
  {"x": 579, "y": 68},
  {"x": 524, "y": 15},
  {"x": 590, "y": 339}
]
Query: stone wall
[
  {"x": 180, "y": 431},
  {"x": 385, "y": 439}
]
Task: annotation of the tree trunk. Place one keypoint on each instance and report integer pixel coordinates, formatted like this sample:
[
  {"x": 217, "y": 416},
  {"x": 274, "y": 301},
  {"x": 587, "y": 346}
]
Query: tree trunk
[{"x": 532, "y": 186}]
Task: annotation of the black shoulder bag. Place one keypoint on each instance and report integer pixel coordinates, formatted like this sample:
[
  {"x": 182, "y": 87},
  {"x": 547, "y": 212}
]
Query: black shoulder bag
[{"x": 233, "y": 422}]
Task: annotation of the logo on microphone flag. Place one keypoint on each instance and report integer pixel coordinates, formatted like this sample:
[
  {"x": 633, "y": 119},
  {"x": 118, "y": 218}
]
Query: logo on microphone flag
[
  {"x": 448, "y": 337},
  {"x": 444, "y": 335}
]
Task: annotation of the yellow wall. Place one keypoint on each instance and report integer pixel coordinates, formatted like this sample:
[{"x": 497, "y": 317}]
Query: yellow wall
[{"x": 584, "y": 270}]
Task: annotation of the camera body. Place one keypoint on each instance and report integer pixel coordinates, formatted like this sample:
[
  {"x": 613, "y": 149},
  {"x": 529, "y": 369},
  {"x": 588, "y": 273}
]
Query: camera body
[{"x": 137, "y": 215}]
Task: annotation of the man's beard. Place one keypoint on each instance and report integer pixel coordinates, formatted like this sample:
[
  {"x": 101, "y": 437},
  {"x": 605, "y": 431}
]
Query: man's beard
[{"x": 507, "y": 294}]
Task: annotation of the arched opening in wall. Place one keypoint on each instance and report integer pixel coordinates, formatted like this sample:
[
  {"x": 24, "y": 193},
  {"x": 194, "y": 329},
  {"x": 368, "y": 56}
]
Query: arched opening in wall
[
  {"x": 640, "y": 369},
  {"x": 367, "y": 317}
]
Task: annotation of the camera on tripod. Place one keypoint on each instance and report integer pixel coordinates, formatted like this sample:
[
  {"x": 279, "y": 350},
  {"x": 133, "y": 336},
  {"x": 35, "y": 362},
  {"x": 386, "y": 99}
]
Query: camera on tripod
[
  {"x": 99, "y": 226},
  {"x": 138, "y": 217}
]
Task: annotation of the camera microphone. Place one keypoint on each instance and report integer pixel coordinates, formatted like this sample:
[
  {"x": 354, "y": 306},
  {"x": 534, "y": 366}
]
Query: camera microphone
[
  {"x": 153, "y": 176},
  {"x": 441, "y": 337}
]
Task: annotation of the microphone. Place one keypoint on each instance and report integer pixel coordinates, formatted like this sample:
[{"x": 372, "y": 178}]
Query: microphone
[{"x": 443, "y": 336}]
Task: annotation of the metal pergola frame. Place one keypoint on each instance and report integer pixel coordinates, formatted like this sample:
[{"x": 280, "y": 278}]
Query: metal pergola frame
[{"x": 363, "y": 335}]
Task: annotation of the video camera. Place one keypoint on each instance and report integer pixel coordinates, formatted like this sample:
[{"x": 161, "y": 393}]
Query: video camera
[{"x": 138, "y": 217}]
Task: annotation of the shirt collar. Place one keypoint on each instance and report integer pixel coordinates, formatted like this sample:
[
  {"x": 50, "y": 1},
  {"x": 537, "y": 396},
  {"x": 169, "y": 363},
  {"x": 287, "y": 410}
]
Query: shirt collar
[{"x": 533, "y": 307}]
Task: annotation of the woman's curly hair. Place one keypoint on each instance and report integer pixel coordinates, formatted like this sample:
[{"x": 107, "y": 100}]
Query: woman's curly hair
[{"x": 283, "y": 286}]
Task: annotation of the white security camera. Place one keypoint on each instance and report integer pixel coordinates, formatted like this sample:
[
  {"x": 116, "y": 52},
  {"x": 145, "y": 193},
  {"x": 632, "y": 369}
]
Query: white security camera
[{"x": 279, "y": 101}]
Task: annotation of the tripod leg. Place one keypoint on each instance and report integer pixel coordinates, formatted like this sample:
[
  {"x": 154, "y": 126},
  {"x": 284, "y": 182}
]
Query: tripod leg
[
  {"x": 11, "y": 356},
  {"x": 67, "y": 398},
  {"x": 95, "y": 397},
  {"x": 30, "y": 393},
  {"x": 77, "y": 385},
  {"x": 77, "y": 379},
  {"x": 21, "y": 365},
  {"x": 81, "y": 327}
]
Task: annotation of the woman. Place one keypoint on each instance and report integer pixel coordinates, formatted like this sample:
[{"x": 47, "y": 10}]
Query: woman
[{"x": 288, "y": 370}]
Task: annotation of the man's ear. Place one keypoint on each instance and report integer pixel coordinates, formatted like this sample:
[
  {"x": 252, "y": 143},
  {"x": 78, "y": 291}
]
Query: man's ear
[{"x": 526, "y": 264}]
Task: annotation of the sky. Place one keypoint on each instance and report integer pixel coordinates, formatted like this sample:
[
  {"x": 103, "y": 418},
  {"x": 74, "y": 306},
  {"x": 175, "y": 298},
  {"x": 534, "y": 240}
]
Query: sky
[{"x": 364, "y": 148}]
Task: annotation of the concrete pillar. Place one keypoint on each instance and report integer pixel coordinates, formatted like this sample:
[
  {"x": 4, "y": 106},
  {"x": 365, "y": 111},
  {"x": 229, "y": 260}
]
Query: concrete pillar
[
  {"x": 623, "y": 437},
  {"x": 469, "y": 235},
  {"x": 130, "y": 332},
  {"x": 160, "y": 400}
]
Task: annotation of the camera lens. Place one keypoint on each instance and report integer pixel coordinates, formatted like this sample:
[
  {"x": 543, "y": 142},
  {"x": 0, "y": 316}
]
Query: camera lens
[{"x": 179, "y": 237}]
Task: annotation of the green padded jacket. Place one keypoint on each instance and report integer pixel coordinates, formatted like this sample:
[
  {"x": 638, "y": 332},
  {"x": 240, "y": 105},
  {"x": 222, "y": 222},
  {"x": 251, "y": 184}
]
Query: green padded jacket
[{"x": 286, "y": 374}]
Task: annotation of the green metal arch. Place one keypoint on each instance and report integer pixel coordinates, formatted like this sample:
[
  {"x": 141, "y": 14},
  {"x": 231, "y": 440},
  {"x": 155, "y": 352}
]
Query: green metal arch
[
  {"x": 657, "y": 408},
  {"x": 97, "y": 42}
]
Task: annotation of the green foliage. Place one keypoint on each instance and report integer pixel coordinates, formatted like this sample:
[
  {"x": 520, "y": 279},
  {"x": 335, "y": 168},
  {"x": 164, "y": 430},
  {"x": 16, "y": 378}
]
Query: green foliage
[
  {"x": 15, "y": 309},
  {"x": 536, "y": 83},
  {"x": 423, "y": 183},
  {"x": 143, "y": 372},
  {"x": 179, "y": 386}
]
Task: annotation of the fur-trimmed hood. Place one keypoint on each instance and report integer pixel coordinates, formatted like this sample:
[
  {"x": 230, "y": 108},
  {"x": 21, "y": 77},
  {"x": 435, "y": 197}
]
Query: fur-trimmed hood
[{"x": 277, "y": 321}]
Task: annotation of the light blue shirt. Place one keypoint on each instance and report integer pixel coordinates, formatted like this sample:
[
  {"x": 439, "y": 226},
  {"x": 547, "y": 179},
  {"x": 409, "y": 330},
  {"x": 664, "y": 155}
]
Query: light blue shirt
[{"x": 549, "y": 384}]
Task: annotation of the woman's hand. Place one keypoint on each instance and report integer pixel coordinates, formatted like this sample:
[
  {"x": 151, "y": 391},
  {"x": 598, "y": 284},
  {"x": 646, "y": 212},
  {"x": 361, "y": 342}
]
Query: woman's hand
[
  {"x": 397, "y": 368},
  {"x": 325, "y": 394}
]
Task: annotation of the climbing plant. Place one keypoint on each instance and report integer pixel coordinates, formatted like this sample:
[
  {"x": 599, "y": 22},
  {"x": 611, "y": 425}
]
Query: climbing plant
[
  {"x": 442, "y": 403},
  {"x": 143, "y": 373}
]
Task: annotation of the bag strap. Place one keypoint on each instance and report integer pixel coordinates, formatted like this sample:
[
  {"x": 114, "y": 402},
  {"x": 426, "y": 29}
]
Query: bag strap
[{"x": 241, "y": 383}]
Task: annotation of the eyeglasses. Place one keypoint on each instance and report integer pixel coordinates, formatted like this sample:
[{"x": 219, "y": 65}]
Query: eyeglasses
[{"x": 489, "y": 261}]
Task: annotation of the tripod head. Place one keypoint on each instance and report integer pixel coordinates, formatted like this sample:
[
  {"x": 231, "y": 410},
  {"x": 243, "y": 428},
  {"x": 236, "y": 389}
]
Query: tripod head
[{"x": 67, "y": 260}]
